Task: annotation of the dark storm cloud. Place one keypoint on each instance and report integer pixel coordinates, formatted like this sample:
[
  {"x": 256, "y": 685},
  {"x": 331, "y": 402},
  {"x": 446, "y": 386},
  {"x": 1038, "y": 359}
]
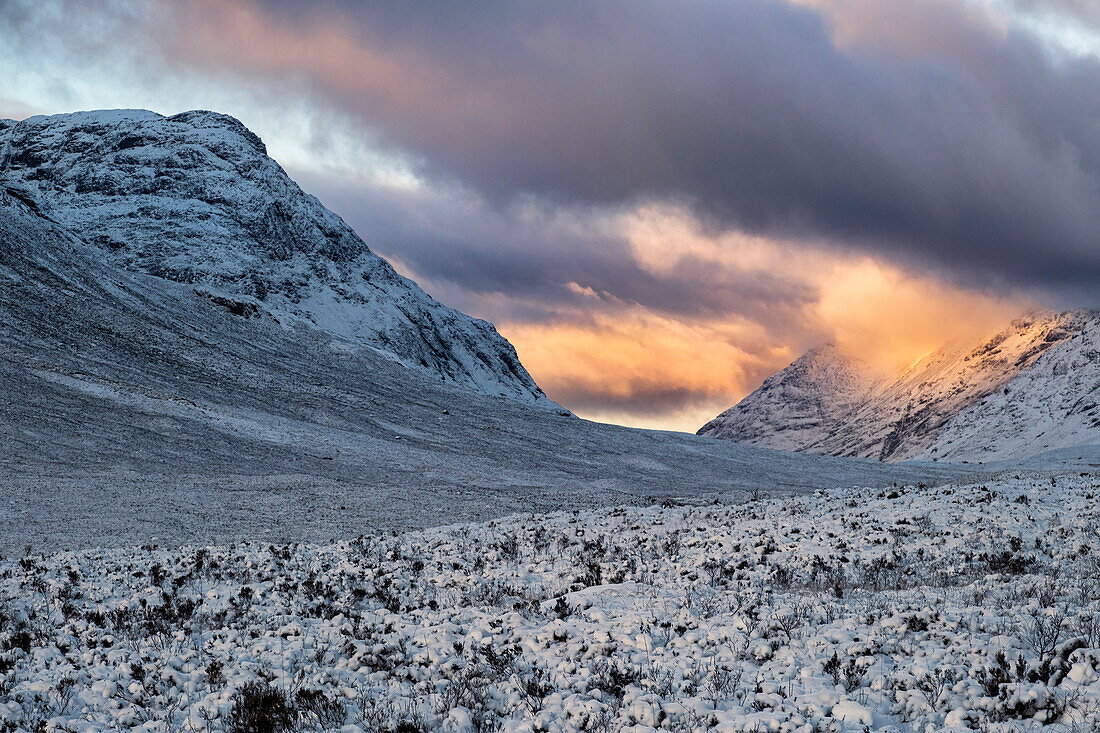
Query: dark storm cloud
[
  {"x": 745, "y": 109},
  {"x": 555, "y": 263}
]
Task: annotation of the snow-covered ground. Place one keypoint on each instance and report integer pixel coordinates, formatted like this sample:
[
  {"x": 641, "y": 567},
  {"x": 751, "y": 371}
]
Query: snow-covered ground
[{"x": 918, "y": 608}]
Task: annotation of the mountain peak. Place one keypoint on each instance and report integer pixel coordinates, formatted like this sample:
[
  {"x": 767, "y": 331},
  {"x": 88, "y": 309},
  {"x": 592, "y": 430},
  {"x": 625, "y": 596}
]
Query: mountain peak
[
  {"x": 195, "y": 199},
  {"x": 793, "y": 408},
  {"x": 205, "y": 119},
  {"x": 1022, "y": 390}
]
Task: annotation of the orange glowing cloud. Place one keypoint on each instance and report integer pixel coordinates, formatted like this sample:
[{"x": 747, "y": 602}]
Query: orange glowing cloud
[
  {"x": 641, "y": 369},
  {"x": 892, "y": 319},
  {"x": 608, "y": 356},
  {"x": 888, "y": 316},
  {"x": 634, "y": 366}
]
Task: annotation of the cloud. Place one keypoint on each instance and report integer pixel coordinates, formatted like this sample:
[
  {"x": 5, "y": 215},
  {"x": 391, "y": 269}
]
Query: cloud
[
  {"x": 550, "y": 258},
  {"x": 642, "y": 315},
  {"x": 639, "y": 368},
  {"x": 660, "y": 204},
  {"x": 977, "y": 156},
  {"x": 1082, "y": 11},
  {"x": 962, "y": 33}
]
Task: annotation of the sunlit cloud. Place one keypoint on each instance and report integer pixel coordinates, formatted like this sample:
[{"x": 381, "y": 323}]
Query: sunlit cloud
[
  {"x": 660, "y": 218},
  {"x": 868, "y": 307},
  {"x": 637, "y": 362},
  {"x": 636, "y": 365},
  {"x": 891, "y": 319},
  {"x": 639, "y": 368},
  {"x": 645, "y": 369}
]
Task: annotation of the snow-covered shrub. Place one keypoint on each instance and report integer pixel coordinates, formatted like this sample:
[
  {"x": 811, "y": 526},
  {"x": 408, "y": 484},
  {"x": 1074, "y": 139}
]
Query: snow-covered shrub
[{"x": 912, "y": 607}]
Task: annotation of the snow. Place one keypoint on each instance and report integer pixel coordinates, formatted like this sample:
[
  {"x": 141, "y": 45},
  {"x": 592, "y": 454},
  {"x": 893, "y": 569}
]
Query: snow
[
  {"x": 848, "y": 711},
  {"x": 144, "y": 408},
  {"x": 1029, "y": 389},
  {"x": 961, "y": 606},
  {"x": 1054, "y": 404},
  {"x": 194, "y": 198},
  {"x": 221, "y": 479}
]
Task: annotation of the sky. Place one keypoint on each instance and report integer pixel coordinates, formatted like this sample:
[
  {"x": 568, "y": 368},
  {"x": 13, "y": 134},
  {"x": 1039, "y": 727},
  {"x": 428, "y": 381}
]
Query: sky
[{"x": 658, "y": 202}]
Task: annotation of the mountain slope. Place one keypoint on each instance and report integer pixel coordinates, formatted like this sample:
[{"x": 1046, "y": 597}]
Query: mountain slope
[
  {"x": 1015, "y": 394},
  {"x": 1053, "y": 404},
  {"x": 799, "y": 407},
  {"x": 136, "y": 408},
  {"x": 194, "y": 198}
]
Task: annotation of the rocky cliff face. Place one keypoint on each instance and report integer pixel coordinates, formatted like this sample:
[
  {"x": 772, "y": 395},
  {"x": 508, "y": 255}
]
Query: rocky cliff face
[
  {"x": 1033, "y": 387},
  {"x": 195, "y": 199}
]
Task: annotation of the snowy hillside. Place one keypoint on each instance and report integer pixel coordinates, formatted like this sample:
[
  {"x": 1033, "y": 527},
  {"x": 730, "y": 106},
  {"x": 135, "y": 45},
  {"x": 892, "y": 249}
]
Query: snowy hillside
[
  {"x": 1053, "y": 404},
  {"x": 799, "y": 407},
  {"x": 966, "y": 607},
  {"x": 1030, "y": 388},
  {"x": 195, "y": 199},
  {"x": 135, "y": 408}
]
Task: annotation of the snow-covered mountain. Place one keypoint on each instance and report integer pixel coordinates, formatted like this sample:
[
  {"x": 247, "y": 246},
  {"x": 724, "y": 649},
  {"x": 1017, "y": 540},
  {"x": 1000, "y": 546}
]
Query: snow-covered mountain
[
  {"x": 194, "y": 198},
  {"x": 1031, "y": 388},
  {"x": 808, "y": 399},
  {"x": 136, "y": 407}
]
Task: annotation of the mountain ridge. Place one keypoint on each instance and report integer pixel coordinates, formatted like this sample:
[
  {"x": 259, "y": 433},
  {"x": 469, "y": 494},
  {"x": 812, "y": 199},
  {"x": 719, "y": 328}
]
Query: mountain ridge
[
  {"x": 944, "y": 407},
  {"x": 194, "y": 198}
]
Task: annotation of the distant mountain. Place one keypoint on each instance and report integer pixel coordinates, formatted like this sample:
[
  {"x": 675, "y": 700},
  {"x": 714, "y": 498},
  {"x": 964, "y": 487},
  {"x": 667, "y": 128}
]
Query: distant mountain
[
  {"x": 808, "y": 399},
  {"x": 195, "y": 199},
  {"x": 1031, "y": 388}
]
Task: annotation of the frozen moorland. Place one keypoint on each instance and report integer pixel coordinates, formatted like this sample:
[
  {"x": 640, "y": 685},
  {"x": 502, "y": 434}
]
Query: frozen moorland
[{"x": 961, "y": 606}]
